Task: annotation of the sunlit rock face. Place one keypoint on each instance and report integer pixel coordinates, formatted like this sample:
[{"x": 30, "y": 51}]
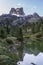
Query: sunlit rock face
[{"x": 17, "y": 11}]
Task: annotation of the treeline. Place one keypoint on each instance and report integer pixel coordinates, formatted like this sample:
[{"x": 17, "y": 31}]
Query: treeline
[{"x": 9, "y": 30}]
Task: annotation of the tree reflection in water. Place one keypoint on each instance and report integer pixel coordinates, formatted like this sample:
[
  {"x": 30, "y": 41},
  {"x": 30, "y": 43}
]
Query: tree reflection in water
[{"x": 31, "y": 47}]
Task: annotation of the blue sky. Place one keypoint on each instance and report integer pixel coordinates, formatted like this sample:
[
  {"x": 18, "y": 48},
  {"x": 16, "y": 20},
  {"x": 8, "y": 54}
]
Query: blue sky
[{"x": 30, "y": 6}]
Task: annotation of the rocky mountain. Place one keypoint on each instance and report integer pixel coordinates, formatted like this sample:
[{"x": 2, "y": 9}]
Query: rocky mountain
[
  {"x": 17, "y": 11},
  {"x": 36, "y": 15},
  {"x": 17, "y": 17},
  {"x": 7, "y": 18},
  {"x": 34, "y": 18}
]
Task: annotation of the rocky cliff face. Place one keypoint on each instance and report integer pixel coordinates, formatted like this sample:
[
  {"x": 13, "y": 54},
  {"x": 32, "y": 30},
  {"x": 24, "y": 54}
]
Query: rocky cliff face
[
  {"x": 13, "y": 11},
  {"x": 21, "y": 20},
  {"x": 17, "y": 11}
]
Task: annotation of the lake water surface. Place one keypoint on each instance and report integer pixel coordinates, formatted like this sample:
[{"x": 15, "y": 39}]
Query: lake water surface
[{"x": 33, "y": 53}]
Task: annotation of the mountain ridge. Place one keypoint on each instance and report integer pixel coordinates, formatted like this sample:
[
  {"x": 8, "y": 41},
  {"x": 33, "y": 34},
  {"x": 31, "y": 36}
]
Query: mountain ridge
[{"x": 22, "y": 19}]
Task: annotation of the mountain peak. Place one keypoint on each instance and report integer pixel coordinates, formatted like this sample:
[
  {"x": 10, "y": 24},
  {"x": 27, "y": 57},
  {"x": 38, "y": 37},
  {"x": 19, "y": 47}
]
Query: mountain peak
[
  {"x": 35, "y": 15},
  {"x": 17, "y": 11},
  {"x": 13, "y": 10}
]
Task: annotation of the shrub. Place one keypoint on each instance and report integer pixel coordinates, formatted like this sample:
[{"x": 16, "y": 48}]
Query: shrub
[
  {"x": 3, "y": 33},
  {"x": 9, "y": 41}
]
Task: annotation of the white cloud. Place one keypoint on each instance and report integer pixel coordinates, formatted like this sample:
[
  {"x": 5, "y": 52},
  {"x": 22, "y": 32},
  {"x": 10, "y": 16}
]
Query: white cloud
[{"x": 19, "y": 5}]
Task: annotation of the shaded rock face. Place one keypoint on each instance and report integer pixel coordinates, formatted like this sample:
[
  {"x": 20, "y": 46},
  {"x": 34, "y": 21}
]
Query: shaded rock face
[
  {"x": 13, "y": 10},
  {"x": 33, "y": 18},
  {"x": 36, "y": 15},
  {"x": 17, "y": 11},
  {"x": 20, "y": 11},
  {"x": 7, "y": 18}
]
